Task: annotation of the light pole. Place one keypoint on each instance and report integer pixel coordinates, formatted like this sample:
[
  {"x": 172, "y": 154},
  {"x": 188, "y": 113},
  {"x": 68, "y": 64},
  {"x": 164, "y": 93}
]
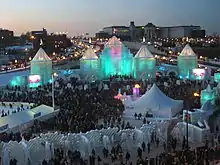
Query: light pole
[
  {"x": 187, "y": 130},
  {"x": 53, "y": 92}
]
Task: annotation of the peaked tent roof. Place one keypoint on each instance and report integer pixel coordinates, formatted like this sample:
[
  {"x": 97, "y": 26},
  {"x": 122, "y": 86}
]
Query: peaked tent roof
[
  {"x": 89, "y": 54},
  {"x": 155, "y": 98},
  {"x": 187, "y": 51},
  {"x": 143, "y": 53},
  {"x": 155, "y": 101},
  {"x": 114, "y": 41},
  {"x": 41, "y": 55}
]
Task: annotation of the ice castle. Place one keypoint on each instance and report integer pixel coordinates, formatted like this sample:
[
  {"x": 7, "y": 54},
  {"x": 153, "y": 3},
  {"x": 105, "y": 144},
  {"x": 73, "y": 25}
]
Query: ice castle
[
  {"x": 116, "y": 59},
  {"x": 186, "y": 62}
]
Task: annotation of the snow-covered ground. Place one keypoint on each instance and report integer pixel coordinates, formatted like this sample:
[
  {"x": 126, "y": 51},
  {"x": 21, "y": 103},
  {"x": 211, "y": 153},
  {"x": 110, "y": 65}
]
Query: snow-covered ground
[{"x": 7, "y": 77}]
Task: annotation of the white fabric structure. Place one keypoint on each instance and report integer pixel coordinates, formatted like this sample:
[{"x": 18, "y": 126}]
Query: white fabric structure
[
  {"x": 156, "y": 102},
  {"x": 113, "y": 42},
  {"x": 187, "y": 51},
  {"x": 24, "y": 119},
  {"x": 41, "y": 65}
]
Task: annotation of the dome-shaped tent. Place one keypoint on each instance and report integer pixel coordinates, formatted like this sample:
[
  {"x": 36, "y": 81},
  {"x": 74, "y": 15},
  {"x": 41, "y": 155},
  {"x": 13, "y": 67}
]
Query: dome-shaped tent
[{"x": 41, "y": 65}]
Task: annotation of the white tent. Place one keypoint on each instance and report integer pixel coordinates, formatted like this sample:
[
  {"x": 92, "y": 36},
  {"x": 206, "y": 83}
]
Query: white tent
[
  {"x": 158, "y": 103},
  {"x": 25, "y": 118}
]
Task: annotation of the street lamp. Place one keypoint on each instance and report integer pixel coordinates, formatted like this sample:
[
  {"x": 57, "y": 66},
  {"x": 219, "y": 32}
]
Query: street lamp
[{"x": 53, "y": 93}]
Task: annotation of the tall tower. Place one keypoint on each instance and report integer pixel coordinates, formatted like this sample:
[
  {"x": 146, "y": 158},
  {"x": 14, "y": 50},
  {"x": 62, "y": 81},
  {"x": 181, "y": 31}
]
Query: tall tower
[{"x": 132, "y": 30}]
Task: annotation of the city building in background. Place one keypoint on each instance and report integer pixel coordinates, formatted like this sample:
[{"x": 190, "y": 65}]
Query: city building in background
[
  {"x": 6, "y": 39},
  {"x": 151, "y": 32},
  {"x": 51, "y": 42},
  {"x": 180, "y": 32}
]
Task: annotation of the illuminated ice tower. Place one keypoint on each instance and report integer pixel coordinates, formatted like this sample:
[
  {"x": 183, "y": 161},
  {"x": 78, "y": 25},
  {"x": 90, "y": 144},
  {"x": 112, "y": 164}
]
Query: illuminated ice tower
[
  {"x": 207, "y": 94},
  {"x": 187, "y": 61},
  {"x": 41, "y": 65},
  {"x": 144, "y": 64},
  {"x": 89, "y": 65},
  {"x": 116, "y": 59}
]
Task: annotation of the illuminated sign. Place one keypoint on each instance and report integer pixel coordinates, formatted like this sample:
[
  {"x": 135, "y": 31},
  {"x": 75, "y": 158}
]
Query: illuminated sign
[
  {"x": 199, "y": 73},
  {"x": 34, "y": 79}
]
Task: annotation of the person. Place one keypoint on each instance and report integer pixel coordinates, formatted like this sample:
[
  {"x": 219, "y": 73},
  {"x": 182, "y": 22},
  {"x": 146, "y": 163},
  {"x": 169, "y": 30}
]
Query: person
[
  {"x": 127, "y": 156},
  {"x": 139, "y": 151},
  {"x": 157, "y": 142},
  {"x": 143, "y": 146},
  {"x": 148, "y": 147}
]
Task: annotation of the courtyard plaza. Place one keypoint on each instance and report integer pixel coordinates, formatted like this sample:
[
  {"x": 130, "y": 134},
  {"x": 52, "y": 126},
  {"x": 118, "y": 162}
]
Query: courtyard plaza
[{"x": 105, "y": 107}]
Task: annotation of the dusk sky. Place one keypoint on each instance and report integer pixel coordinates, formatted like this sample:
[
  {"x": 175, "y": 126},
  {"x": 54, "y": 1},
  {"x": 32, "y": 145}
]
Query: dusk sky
[{"x": 80, "y": 16}]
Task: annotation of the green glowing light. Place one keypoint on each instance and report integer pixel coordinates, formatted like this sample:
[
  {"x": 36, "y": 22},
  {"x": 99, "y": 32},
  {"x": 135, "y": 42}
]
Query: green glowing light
[
  {"x": 186, "y": 64},
  {"x": 144, "y": 68},
  {"x": 217, "y": 77},
  {"x": 116, "y": 61},
  {"x": 205, "y": 96},
  {"x": 18, "y": 81}
]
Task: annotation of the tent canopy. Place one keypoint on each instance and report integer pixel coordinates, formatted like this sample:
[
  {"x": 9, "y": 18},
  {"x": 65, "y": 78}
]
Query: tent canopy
[
  {"x": 156, "y": 101},
  {"x": 20, "y": 118},
  {"x": 41, "y": 55},
  {"x": 187, "y": 51},
  {"x": 144, "y": 53},
  {"x": 89, "y": 54}
]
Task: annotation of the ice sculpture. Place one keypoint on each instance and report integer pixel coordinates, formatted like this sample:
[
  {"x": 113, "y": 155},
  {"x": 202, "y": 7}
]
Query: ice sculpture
[
  {"x": 116, "y": 59},
  {"x": 119, "y": 95},
  {"x": 139, "y": 137},
  {"x": 187, "y": 61},
  {"x": 89, "y": 65},
  {"x": 136, "y": 90},
  {"x": 5, "y": 157},
  {"x": 144, "y": 64},
  {"x": 42, "y": 65},
  {"x": 217, "y": 77},
  {"x": 106, "y": 142},
  {"x": 207, "y": 94}
]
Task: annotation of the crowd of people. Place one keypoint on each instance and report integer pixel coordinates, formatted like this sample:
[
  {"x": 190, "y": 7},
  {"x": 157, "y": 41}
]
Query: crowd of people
[{"x": 84, "y": 107}]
